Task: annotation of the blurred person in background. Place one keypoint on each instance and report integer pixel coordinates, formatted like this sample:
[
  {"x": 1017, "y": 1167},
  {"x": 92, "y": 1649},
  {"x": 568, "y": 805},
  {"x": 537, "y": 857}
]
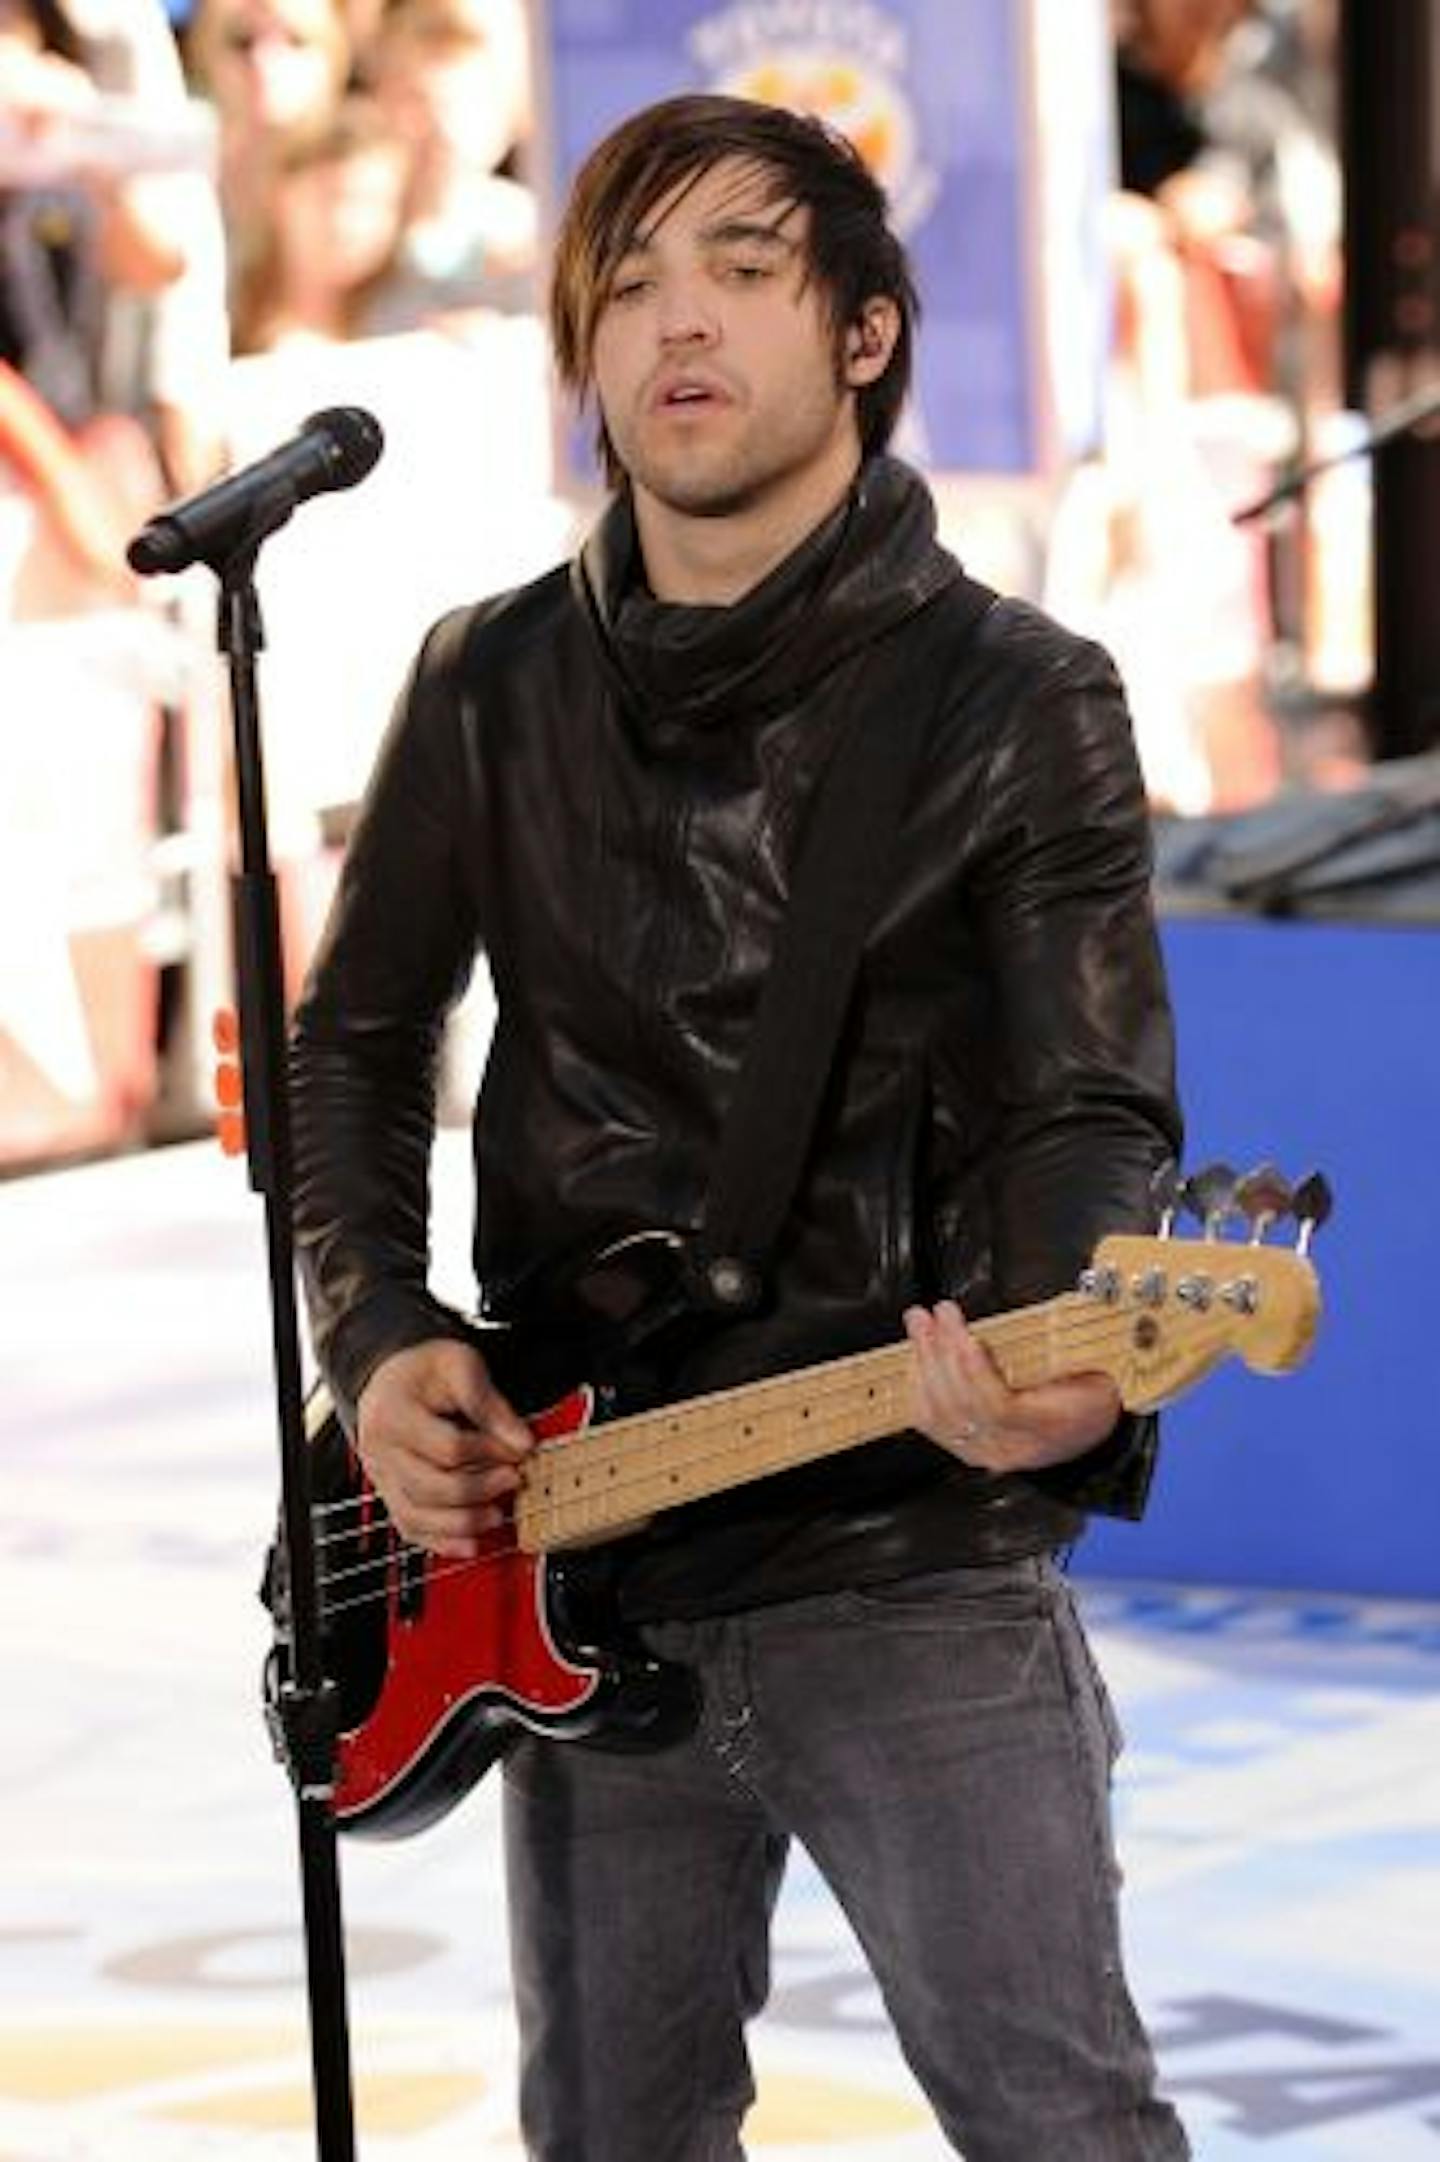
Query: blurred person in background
[
  {"x": 95, "y": 236},
  {"x": 454, "y": 77},
  {"x": 1217, "y": 230},
  {"x": 113, "y": 354},
  {"x": 273, "y": 70},
  {"x": 1240, "y": 183},
  {"x": 1169, "y": 54},
  {"x": 1230, "y": 218},
  {"x": 167, "y": 351},
  {"x": 332, "y": 233},
  {"x": 47, "y": 81},
  {"x": 1196, "y": 298}
]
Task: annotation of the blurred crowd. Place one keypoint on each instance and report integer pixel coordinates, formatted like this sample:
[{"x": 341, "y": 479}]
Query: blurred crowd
[
  {"x": 254, "y": 175},
  {"x": 216, "y": 215},
  {"x": 200, "y": 215},
  {"x": 246, "y": 177}
]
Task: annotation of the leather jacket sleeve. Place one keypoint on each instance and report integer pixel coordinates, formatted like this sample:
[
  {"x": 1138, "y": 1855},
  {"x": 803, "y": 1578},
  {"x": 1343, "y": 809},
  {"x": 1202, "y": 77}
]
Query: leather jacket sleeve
[
  {"x": 1085, "y": 1051},
  {"x": 1085, "y": 1074},
  {"x": 397, "y": 954}
]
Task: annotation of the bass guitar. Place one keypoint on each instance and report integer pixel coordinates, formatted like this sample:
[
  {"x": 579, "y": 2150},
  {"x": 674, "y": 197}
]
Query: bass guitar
[{"x": 438, "y": 1664}]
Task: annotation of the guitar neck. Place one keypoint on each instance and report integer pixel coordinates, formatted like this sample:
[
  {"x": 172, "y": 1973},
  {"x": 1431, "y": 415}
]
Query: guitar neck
[{"x": 635, "y": 1467}]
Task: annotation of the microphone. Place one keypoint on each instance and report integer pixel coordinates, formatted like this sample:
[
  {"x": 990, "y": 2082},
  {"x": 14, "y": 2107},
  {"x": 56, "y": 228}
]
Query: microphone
[{"x": 334, "y": 449}]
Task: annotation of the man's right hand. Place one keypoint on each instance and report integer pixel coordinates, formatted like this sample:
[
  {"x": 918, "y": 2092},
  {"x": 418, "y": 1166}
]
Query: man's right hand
[{"x": 441, "y": 1445}]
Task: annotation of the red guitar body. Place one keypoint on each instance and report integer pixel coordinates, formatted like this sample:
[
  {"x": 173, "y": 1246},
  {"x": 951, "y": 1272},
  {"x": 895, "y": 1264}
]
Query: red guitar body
[{"x": 440, "y": 1665}]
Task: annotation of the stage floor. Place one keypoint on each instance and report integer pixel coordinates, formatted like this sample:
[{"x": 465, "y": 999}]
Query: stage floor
[{"x": 1279, "y": 1801}]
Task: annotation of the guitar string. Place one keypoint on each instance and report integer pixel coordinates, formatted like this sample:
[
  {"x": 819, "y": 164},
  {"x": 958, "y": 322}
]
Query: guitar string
[
  {"x": 1069, "y": 1322},
  {"x": 498, "y": 1545},
  {"x": 1088, "y": 1333},
  {"x": 1068, "y": 1332}
]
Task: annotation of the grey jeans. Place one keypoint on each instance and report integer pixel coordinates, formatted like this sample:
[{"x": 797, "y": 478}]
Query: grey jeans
[{"x": 942, "y": 1748}]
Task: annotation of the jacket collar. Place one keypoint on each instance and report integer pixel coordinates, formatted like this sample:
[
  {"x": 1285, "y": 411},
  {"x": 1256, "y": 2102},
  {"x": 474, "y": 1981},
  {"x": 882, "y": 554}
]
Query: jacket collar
[{"x": 873, "y": 562}]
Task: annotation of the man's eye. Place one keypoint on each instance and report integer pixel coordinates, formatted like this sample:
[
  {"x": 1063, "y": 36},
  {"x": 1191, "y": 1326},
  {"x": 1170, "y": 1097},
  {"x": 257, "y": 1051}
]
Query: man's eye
[
  {"x": 744, "y": 273},
  {"x": 629, "y": 289}
]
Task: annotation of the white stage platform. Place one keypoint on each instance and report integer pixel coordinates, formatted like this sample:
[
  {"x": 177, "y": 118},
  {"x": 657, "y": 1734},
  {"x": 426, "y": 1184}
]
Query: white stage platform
[{"x": 1279, "y": 1801}]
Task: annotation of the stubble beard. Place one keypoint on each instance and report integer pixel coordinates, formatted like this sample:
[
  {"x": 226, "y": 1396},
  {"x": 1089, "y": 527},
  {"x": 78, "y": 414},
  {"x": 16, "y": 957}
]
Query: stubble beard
[
  {"x": 697, "y": 481},
  {"x": 731, "y": 480},
  {"x": 698, "y": 495}
]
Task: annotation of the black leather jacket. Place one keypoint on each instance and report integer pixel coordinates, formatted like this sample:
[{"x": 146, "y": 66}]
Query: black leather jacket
[{"x": 604, "y": 794}]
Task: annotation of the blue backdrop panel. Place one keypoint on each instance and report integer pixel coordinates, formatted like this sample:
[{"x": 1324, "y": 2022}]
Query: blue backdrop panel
[
  {"x": 1314, "y": 1046},
  {"x": 933, "y": 91}
]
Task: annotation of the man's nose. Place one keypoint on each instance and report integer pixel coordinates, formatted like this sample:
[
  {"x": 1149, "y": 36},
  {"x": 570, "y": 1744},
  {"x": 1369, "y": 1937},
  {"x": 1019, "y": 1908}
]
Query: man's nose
[{"x": 685, "y": 316}]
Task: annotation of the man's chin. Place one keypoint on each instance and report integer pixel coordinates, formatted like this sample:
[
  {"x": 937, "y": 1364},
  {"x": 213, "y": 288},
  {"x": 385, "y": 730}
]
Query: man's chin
[{"x": 697, "y": 494}]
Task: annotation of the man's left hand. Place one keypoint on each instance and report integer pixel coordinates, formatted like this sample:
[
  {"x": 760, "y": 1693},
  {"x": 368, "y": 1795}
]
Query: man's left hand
[{"x": 963, "y": 1402}]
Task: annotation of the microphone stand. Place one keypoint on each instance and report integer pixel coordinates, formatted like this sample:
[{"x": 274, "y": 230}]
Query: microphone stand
[
  {"x": 303, "y": 1711},
  {"x": 1406, "y": 417},
  {"x": 1409, "y": 414}
]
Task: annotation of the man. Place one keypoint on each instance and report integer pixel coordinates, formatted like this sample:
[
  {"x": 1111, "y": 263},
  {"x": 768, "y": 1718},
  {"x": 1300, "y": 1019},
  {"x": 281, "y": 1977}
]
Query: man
[{"x": 600, "y": 780}]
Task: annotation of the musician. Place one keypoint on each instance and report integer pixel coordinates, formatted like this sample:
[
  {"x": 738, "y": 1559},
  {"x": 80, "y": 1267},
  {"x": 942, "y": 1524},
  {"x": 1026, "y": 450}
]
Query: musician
[{"x": 601, "y": 781}]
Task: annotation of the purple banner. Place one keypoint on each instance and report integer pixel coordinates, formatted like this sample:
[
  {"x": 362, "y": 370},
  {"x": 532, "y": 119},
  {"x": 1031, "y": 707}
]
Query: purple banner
[{"x": 935, "y": 94}]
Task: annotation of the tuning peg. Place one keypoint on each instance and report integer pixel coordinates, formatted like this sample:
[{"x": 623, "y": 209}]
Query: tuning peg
[
  {"x": 1165, "y": 1194},
  {"x": 1311, "y": 1204},
  {"x": 1209, "y": 1195},
  {"x": 1264, "y": 1196}
]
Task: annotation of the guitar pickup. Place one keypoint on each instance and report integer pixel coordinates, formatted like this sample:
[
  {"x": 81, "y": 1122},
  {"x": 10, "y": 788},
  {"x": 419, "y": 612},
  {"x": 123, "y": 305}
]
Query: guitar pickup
[{"x": 410, "y": 1566}]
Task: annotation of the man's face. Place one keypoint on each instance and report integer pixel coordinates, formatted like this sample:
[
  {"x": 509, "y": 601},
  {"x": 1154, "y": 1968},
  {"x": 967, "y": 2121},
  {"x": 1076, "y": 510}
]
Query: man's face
[{"x": 715, "y": 363}]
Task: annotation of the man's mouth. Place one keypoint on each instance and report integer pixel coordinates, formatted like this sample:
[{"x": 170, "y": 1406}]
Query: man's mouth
[{"x": 685, "y": 394}]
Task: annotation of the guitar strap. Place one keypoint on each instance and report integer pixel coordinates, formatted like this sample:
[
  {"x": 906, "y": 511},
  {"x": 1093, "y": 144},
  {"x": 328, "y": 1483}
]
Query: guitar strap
[{"x": 845, "y": 863}]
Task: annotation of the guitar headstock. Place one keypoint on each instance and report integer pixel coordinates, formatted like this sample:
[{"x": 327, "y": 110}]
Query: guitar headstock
[{"x": 1176, "y": 1307}]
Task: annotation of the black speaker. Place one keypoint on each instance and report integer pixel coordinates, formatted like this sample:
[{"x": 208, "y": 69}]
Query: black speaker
[{"x": 1390, "y": 151}]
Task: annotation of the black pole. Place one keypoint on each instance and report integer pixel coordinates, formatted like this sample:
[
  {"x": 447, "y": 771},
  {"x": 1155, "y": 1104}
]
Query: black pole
[
  {"x": 1390, "y": 147},
  {"x": 303, "y": 1719}
]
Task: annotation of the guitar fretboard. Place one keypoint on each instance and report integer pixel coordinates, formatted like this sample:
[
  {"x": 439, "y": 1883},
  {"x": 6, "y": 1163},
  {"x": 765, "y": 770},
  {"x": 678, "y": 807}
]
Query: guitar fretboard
[{"x": 577, "y": 1492}]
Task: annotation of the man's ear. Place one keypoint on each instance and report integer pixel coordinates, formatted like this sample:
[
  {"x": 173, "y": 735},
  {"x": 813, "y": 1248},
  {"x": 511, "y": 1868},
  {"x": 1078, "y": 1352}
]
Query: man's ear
[{"x": 870, "y": 340}]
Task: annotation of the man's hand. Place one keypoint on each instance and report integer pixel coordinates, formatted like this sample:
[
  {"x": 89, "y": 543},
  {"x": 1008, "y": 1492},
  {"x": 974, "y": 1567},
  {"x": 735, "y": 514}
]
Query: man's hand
[
  {"x": 441, "y": 1445},
  {"x": 963, "y": 1402}
]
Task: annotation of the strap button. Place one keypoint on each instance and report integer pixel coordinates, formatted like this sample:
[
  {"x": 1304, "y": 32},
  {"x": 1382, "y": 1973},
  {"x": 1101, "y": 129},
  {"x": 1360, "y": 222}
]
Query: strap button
[{"x": 732, "y": 1283}]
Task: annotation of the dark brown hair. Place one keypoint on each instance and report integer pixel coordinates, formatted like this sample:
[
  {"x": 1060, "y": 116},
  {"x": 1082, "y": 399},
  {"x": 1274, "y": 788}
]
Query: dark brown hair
[{"x": 852, "y": 254}]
